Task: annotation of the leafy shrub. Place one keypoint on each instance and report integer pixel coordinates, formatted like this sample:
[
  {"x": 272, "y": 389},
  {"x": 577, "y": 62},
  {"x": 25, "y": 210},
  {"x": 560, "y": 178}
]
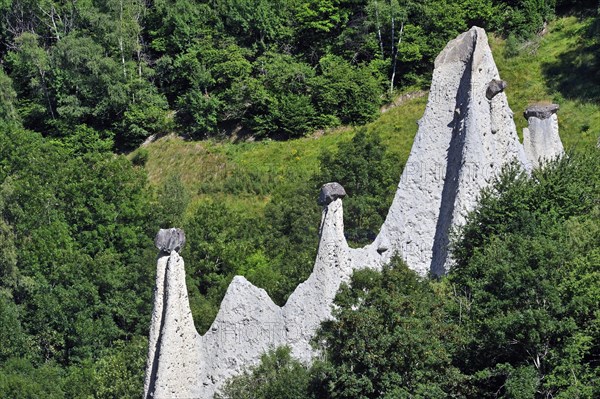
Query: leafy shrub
[
  {"x": 525, "y": 265},
  {"x": 140, "y": 157},
  {"x": 75, "y": 239},
  {"x": 351, "y": 93},
  {"x": 8, "y": 98},
  {"x": 390, "y": 338},
  {"x": 147, "y": 116},
  {"x": 197, "y": 114},
  {"x": 279, "y": 376}
]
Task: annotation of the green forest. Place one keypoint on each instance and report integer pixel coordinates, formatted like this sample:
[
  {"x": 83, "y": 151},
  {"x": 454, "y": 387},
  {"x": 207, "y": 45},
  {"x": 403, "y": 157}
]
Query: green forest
[
  {"x": 133, "y": 68},
  {"x": 224, "y": 117}
]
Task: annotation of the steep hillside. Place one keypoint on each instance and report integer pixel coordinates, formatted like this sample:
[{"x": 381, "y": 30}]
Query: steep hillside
[
  {"x": 222, "y": 169},
  {"x": 554, "y": 68}
]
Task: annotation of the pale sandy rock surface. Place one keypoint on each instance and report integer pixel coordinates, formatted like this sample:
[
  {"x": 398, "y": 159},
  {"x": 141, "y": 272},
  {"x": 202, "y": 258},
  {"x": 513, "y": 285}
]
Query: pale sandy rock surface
[
  {"x": 182, "y": 364},
  {"x": 541, "y": 139},
  {"x": 462, "y": 141},
  {"x": 249, "y": 323},
  {"x": 175, "y": 355}
]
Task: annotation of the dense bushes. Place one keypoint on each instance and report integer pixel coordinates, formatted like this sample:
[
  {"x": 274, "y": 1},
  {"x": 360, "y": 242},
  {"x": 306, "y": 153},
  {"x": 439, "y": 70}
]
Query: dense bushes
[
  {"x": 76, "y": 268},
  {"x": 279, "y": 376},
  {"x": 271, "y": 69},
  {"x": 527, "y": 275},
  {"x": 397, "y": 345}
]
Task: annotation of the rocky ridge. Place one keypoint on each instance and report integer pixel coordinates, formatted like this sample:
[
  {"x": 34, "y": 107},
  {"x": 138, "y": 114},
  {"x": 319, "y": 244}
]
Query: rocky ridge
[{"x": 464, "y": 138}]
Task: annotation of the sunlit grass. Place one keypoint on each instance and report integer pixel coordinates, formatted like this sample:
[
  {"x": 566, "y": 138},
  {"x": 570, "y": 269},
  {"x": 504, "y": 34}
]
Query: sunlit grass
[
  {"x": 243, "y": 175},
  {"x": 531, "y": 77}
]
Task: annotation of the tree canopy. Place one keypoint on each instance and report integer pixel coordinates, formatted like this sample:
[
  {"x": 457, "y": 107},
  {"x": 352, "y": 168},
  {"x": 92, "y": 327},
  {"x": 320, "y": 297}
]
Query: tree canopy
[{"x": 131, "y": 69}]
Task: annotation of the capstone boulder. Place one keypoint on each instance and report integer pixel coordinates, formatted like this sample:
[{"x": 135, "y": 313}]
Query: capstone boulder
[
  {"x": 541, "y": 111},
  {"x": 330, "y": 192},
  {"x": 494, "y": 87},
  {"x": 168, "y": 240}
]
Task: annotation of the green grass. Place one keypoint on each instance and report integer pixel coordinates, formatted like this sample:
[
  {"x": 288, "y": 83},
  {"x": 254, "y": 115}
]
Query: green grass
[
  {"x": 558, "y": 67},
  {"x": 245, "y": 174},
  {"x": 242, "y": 174},
  {"x": 398, "y": 127}
]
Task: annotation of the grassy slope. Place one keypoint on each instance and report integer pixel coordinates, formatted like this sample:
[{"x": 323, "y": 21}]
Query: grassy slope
[
  {"x": 244, "y": 174},
  {"x": 556, "y": 68}
]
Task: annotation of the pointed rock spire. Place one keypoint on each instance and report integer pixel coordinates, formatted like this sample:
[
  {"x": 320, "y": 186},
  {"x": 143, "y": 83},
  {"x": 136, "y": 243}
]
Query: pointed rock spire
[
  {"x": 466, "y": 134},
  {"x": 174, "y": 347}
]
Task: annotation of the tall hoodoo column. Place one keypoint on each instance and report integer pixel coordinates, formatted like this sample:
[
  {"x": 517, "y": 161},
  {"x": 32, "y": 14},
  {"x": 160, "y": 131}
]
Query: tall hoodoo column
[
  {"x": 541, "y": 139},
  {"x": 174, "y": 355},
  {"x": 310, "y": 303},
  {"x": 466, "y": 134}
]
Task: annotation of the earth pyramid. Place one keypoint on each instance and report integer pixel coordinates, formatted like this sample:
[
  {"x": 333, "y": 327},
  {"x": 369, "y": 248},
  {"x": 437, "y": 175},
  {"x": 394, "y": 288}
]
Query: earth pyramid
[{"x": 464, "y": 138}]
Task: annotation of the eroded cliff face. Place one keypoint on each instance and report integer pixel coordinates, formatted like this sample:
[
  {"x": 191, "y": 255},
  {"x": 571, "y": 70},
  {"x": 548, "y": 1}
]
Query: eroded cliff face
[
  {"x": 464, "y": 138},
  {"x": 249, "y": 323}
]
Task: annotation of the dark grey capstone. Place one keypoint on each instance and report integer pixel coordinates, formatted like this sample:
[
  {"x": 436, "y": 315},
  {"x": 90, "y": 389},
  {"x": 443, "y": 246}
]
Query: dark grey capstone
[
  {"x": 494, "y": 87},
  {"x": 168, "y": 240},
  {"x": 330, "y": 192},
  {"x": 541, "y": 111}
]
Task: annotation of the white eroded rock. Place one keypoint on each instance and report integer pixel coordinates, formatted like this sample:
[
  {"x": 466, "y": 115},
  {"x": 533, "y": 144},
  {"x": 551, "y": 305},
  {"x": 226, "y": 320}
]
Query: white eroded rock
[
  {"x": 249, "y": 323},
  {"x": 541, "y": 139},
  {"x": 175, "y": 348},
  {"x": 464, "y": 138},
  {"x": 310, "y": 303},
  {"x": 155, "y": 325}
]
